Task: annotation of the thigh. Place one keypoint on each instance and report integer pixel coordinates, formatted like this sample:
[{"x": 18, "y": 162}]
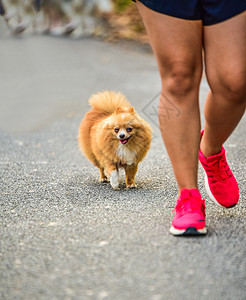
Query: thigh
[
  {"x": 174, "y": 41},
  {"x": 225, "y": 54}
]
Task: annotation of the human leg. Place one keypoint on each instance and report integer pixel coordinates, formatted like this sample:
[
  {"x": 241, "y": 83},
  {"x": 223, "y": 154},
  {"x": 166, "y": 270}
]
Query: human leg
[
  {"x": 177, "y": 45},
  {"x": 225, "y": 63}
]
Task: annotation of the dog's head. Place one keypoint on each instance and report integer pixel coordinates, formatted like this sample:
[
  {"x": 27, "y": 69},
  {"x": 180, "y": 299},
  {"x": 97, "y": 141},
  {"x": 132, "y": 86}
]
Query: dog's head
[
  {"x": 124, "y": 124},
  {"x": 126, "y": 127}
]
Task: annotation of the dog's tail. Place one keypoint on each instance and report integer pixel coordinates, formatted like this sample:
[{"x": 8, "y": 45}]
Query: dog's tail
[{"x": 108, "y": 101}]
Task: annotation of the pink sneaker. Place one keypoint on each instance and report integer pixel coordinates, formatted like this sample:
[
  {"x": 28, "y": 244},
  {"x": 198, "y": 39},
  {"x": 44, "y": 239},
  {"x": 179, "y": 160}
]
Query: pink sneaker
[
  {"x": 220, "y": 183},
  {"x": 189, "y": 218}
]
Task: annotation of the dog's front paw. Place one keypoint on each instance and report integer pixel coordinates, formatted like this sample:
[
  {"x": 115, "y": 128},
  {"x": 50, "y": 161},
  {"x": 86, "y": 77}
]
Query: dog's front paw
[{"x": 114, "y": 179}]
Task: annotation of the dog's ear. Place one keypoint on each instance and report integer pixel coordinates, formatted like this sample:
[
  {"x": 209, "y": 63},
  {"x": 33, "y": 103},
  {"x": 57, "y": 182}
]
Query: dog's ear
[
  {"x": 131, "y": 110},
  {"x": 118, "y": 110}
]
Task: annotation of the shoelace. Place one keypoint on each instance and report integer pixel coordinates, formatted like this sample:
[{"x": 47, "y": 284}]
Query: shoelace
[
  {"x": 220, "y": 169},
  {"x": 187, "y": 204}
]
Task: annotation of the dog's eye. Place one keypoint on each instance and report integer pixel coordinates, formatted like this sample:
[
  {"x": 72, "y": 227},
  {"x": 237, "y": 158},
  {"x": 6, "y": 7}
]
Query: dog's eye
[
  {"x": 129, "y": 129},
  {"x": 116, "y": 130}
]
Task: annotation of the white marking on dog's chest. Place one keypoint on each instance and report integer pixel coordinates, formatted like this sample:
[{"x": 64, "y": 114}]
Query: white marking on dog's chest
[{"x": 128, "y": 156}]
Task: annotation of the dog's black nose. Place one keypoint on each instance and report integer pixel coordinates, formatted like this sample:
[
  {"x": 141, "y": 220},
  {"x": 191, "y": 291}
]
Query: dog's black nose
[{"x": 121, "y": 135}]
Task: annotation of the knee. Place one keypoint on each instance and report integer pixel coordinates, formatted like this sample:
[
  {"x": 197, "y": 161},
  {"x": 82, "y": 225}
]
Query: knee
[
  {"x": 182, "y": 79},
  {"x": 236, "y": 89},
  {"x": 232, "y": 87}
]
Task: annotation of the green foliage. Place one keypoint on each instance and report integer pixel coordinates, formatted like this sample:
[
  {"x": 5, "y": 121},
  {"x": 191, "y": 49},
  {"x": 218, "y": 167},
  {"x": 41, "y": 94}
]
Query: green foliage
[{"x": 121, "y": 5}]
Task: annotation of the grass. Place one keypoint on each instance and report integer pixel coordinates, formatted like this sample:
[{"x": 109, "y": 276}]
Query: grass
[{"x": 121, "y": 5}]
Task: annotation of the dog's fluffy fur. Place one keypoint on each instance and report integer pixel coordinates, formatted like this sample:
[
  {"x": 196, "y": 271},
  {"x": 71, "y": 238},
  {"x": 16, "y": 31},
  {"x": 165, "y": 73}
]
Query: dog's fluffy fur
[{"x": 112, "y": 136}]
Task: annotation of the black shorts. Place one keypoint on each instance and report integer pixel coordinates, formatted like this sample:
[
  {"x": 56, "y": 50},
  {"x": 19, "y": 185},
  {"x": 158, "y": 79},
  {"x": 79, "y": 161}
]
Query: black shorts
[{"x": 209, "y": 11}]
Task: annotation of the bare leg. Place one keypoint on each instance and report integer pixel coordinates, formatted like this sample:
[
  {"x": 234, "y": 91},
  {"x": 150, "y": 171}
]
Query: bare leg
[
  {"x": 177, "y": 45},
  {"x": 225, "y": 61}
]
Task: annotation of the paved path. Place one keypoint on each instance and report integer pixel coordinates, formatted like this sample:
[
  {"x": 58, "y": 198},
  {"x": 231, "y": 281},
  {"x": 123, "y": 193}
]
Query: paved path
[{"x": 65, "y": 236}]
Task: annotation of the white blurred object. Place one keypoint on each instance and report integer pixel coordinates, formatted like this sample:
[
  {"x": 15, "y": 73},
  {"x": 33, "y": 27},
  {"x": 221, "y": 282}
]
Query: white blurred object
[
  {"x": 78, "y": 17},
  {"x": 19, "y": 14},
  {"x": 104, "y": 6},
  {"x": 57, "y": 17}
]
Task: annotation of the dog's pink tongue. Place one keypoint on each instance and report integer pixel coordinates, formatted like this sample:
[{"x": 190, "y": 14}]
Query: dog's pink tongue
[{"x": 123, "y": 141}]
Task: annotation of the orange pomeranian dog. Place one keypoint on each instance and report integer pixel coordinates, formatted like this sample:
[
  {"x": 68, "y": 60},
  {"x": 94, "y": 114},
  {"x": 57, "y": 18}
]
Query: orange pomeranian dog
[{"x": 113, "y": 136}]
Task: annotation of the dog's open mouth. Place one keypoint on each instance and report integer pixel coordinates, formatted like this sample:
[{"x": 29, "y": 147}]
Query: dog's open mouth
[{"x": 124, "y": 141}]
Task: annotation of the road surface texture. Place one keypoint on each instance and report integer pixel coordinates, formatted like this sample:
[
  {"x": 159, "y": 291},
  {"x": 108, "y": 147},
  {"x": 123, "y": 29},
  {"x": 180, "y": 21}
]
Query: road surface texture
[{"x": 63, "y": 235}]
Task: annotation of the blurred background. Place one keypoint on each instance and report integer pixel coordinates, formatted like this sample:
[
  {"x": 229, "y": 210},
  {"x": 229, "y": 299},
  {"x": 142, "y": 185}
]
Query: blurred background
[{"x": 110, "y": 19}]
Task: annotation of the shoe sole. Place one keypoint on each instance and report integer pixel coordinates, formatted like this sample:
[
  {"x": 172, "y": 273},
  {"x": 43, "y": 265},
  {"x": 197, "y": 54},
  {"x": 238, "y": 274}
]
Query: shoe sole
[
  {"x": 189, "y": 231},
  {"x": 211, "y": 196}
]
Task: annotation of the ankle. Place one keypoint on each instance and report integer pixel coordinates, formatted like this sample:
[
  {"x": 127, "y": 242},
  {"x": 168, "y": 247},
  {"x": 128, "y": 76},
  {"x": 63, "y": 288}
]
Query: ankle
[
  {"x": 209, "y": 150},
  {"x": 189, "y": 187}
]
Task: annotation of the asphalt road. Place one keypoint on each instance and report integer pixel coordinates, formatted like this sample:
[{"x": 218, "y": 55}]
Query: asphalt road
[{"x": 65, "y": 236}]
